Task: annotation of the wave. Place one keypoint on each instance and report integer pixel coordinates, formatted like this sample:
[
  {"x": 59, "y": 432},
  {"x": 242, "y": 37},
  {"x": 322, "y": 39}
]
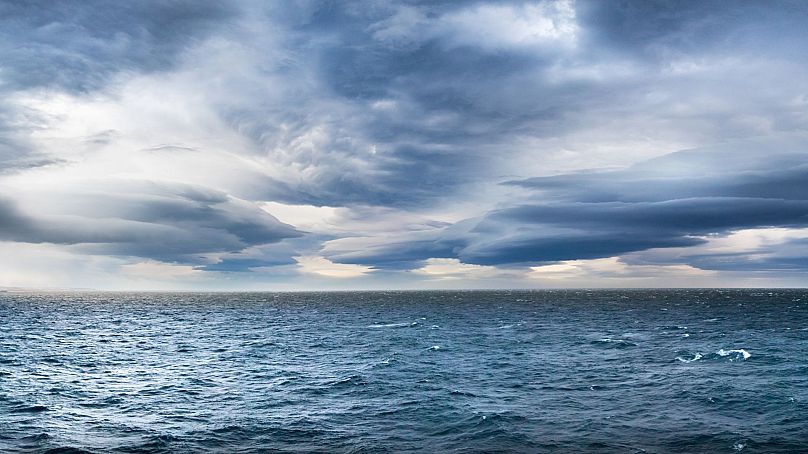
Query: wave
[
  {"x": 734, "y": 354},
  {"x": 393, "y": 325},
  {"x": 607, "y": 342},
  {"x": 66, "y": 450},
  {"x": 695, "y": 357},
  {"x": 29, "y": 409},
  {"x": 251, "y": 384},
  {"x": 730, "y": 355}
]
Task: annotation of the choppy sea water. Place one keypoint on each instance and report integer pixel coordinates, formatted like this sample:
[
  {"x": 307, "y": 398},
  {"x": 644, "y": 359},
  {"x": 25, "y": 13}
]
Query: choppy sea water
[{"x": 508, "y": 371}]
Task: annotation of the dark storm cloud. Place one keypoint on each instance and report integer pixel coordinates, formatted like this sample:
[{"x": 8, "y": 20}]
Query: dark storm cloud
[
  {"x": 608, "y": 229},
  {"x": 761, "y": 168},
  {"x": 268, "y": 255},
  {"x": 159, "y": 221},
  {"x": 442, "y": 105},
  {"x": 429, "y": 106},
  {"x": 414, "y": 105},
  {"x": 654, "y": 28},
  {"x": 439, "y": 103},
  {"x": 78, "y": 45},
  {"x": 673, "y": 201},
  {"x": 789, "y": 256}
]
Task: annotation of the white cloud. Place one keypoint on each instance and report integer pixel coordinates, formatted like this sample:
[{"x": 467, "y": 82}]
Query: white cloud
[
  {"x": 486, "y": 26},
  {"x": 494, "y": 26},
  {"x": 49, "y": 266},
  {"x": 153, "y": 270},
  {"x": 443, "y": 268},
  {"x": 766, "y": 251},
  {"x": 326, "y": 268},
  {"x": 750, "y": 240},
  {"x": 612, "y": 268},
  {"x": 309, "y": 218}
]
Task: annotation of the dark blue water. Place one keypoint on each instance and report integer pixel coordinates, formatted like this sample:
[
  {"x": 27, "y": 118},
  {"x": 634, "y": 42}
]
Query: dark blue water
[{"x": 557, "y": 371}]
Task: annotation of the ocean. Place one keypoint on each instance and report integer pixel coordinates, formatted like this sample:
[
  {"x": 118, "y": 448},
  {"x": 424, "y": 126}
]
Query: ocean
[{"x": 590, "y": 371}]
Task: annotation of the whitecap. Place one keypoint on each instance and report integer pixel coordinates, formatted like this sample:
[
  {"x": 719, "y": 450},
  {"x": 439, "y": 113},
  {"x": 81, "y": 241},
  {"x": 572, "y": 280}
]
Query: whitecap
[
  {"x": 695, "y": 357},
  {"x": 434, "y": 347},
  {"x": 744, "y": 354},
  {"x": 392, "y": 325},
  {"x": 616, "y": 343}
]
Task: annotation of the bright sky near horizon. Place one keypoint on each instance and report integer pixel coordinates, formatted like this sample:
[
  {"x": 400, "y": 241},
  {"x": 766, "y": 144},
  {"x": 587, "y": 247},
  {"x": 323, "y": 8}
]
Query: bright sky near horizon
[{"x": 183, "y": 145}]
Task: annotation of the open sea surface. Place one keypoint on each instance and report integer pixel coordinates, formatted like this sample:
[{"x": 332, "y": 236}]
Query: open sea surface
[{"x": 617, "y": 371}]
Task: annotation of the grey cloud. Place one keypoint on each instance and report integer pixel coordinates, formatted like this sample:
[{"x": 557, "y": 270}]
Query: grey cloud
[
  {"x": 383, "y": 104},
  {"x": 609, "y": 229},
  {"x": 159, "y": 221},
  {"x": 442, "y": 114},
  {"x": 439, "y": 111},
  {"x": 655, "y": 28},
  {"x": 78, "y": 45},
  {"x": 772, "y": 168},
  {"x": 673, "y": 201},
  {"x": 788, "y": 256},
  {"x": 435, "y": 115}
]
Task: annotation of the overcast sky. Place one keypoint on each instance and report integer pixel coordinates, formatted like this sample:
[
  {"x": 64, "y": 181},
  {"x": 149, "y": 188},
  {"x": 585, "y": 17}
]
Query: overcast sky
[{"x": 375, "y": 144}]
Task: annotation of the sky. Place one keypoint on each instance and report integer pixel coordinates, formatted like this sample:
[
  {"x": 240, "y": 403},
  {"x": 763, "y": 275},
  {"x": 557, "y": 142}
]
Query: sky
[{"x": 316, "y": 145}]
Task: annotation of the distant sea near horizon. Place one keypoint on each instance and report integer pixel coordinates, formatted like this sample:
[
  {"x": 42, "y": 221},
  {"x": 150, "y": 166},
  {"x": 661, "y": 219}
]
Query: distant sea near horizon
[{"x": 590, "y": 371}]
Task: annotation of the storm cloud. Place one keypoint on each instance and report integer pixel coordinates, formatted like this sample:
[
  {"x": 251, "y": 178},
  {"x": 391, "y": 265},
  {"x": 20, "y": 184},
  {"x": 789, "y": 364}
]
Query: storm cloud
[
  {"x": 170, "y": 223},
  {"x": 673, "y": 201},
  {"x": 250, "y": 140}
]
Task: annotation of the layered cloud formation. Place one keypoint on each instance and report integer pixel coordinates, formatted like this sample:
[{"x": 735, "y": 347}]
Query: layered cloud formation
[{"x": 172, "y": 144}]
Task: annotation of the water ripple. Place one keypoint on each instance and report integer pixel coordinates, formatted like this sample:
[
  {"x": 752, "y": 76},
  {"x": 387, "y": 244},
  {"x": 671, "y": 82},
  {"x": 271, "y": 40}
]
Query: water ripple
[{"x": 514, "y": 371}]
